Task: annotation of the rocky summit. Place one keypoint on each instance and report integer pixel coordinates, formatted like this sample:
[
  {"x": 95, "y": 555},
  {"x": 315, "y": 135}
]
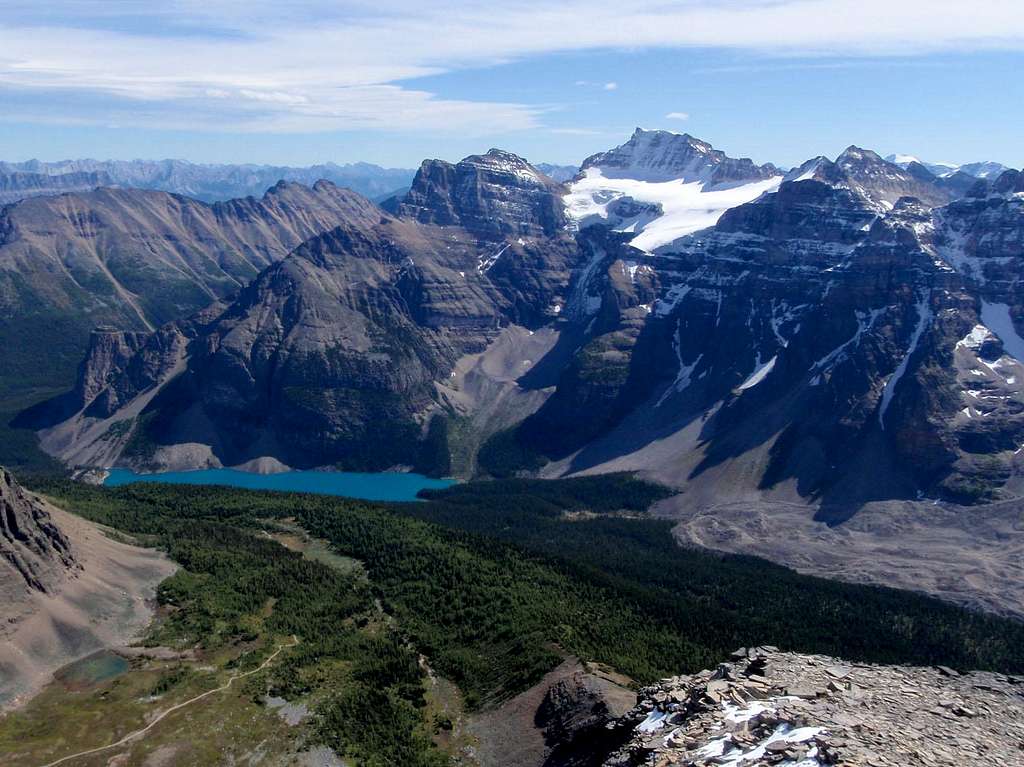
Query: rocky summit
[{"x": 766, "y": 707}]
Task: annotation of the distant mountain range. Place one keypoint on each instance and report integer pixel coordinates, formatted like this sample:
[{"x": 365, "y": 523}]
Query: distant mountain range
[
  {"x": 209, "y": 183},
  {"x": 986, "y": 169},
  {"x": 561, "y": 173},
  {"x": 847, "y": 331}
]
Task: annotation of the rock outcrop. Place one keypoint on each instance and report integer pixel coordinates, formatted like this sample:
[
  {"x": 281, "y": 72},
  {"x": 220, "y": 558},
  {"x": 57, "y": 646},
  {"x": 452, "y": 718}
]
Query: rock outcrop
[
  {"x": 493, "y": 195},
  {"x": 34, "y": 553},
  {"x": 769, "y": 707},
  {"x": 574, "y": 717}
]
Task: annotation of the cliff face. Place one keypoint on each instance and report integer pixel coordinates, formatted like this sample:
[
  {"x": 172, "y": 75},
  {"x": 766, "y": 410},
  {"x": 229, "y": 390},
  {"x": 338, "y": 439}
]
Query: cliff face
[
  {"x": 494, "y": 195},
  {"x": 34, "y": 553}
]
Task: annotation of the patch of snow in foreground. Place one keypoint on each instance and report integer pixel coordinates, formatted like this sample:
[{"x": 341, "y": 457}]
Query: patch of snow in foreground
[
  {"x": 736, "y": 757},
  {"x": 654, "y": 721},
  {"x": 997, "y": 318},
  {"x": 686, "y": 206}
]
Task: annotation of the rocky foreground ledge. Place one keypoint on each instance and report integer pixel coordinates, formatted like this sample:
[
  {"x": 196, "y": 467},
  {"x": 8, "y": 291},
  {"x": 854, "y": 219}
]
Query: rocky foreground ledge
[{"x": 773, "y": 708}]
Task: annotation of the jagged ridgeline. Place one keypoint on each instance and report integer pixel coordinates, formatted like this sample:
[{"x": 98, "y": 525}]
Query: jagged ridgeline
[
  {"x": 844, "y": 332},
  {"x": 493, "y": 584}
]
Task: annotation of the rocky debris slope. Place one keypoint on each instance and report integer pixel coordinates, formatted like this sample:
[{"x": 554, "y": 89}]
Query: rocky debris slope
[
  {"x": 34, "y": 554},
  {"x": 772, "y": 708}
]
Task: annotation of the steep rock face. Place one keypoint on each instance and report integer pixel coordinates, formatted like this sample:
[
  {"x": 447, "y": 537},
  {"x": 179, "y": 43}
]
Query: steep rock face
[
  {"x": 826, "y": 337},
  {"x": 492, "y": 196},
  {"x": 612, "y": 293},
  {"x": 562, "y": 721},
  {"x": 712, "y": 313},
  {"x": 136, "y": 259},
  {"x": 578, "y": 714},
  {"x": 34, "y": 553},
  {"x": 109, "y": 351}
]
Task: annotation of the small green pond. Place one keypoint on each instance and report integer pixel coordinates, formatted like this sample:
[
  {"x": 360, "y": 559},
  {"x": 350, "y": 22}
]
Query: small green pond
[{"x": 91, "y": 670}]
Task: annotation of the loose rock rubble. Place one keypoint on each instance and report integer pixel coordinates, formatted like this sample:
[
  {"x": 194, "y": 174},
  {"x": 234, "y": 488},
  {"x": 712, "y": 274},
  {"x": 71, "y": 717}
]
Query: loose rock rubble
[{"x": 767, "y": 707}]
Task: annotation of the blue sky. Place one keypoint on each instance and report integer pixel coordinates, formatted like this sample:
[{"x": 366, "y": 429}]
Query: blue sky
[{"x": 392, "y": 83}]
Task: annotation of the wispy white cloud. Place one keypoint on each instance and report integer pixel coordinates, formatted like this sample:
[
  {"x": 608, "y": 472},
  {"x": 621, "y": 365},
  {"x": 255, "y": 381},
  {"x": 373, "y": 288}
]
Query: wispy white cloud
[
  {"x": 319, "y": 65},
  {"x": 605, "y": 86},
  {"x": 677, "y": 116}
]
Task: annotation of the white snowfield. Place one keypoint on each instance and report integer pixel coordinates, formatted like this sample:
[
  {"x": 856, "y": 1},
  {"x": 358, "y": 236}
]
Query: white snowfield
[
  {"x": 996, "y": 317},
  {"x": 687, "y": 206}
]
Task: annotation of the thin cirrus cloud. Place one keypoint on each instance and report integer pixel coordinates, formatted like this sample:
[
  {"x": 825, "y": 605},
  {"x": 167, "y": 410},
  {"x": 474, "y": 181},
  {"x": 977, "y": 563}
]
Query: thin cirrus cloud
[
  {"x": 266, "y": 67},
  {"x": 677, "y": 116}
]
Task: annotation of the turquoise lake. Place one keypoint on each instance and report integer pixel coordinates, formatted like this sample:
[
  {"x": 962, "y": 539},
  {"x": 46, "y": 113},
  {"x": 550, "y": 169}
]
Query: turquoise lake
[{"x": 382, "y": 486}]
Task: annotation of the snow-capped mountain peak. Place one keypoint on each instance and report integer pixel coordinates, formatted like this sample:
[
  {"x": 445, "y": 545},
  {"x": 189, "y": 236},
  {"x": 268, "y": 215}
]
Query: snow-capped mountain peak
[
  {"x": 662, "y": 186},
  {"x": 659, "y": 155}
]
